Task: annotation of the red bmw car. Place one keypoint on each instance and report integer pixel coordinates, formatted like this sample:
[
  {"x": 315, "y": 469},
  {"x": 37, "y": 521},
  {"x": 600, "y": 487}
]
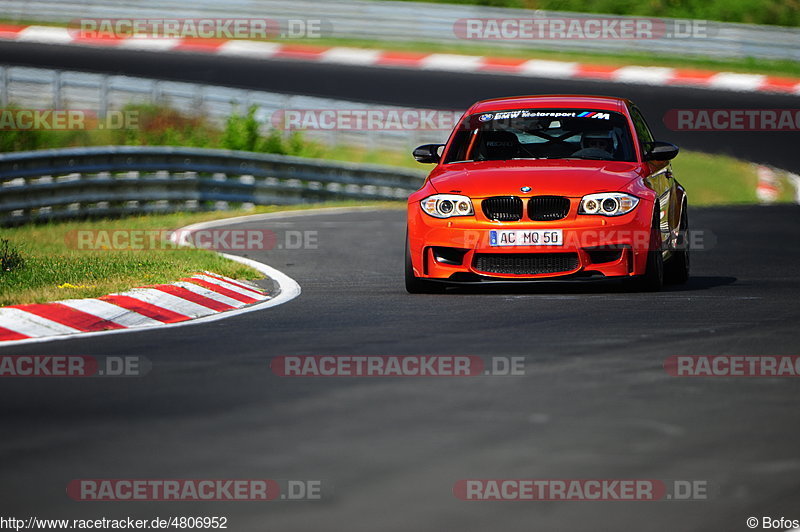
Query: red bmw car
[{"x": 548, "y": 187}]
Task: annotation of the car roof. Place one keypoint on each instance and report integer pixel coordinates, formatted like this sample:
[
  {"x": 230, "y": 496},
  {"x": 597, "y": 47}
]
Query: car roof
[{"x": 552, "y": 101}]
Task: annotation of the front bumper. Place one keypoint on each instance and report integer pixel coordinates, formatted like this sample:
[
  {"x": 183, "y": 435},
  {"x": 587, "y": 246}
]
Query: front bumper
[{"x": 459, "y": 249}]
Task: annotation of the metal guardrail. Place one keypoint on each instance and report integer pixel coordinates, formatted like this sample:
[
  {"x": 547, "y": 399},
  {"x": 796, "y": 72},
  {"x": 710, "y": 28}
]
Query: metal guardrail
[
  {"x": 37, "y": 88},
  {"x": 117, "y": 180},
  {"x": 412, "y": 21}
]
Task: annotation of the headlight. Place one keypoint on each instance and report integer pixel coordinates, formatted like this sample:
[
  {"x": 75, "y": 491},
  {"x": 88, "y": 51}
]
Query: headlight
[
  {"x": 447, "y": 205},
  {"x": 608, "y": 204}
]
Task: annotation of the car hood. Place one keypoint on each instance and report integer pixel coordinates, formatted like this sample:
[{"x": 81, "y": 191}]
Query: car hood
[{"x": 560, "y": 177}]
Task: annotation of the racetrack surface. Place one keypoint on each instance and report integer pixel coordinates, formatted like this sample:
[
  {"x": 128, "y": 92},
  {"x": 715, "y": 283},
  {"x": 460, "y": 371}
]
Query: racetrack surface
[
  {"x": 425, "y": 89},
  {"x": 595, "y": 401}
]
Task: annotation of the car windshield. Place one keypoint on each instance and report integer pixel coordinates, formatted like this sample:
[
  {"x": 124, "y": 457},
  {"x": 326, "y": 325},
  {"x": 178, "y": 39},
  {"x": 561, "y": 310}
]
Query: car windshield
[{"x": 542, "y": 134}]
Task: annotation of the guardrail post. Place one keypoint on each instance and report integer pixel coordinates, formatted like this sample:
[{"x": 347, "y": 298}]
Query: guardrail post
[
  {"x": 104, "y": 96},
  {"x": 199, "y": 98},
  {"x": 4, "y": 86},
  {"x": 57, "y": 87},
  {"x": 155, "y": 97}
]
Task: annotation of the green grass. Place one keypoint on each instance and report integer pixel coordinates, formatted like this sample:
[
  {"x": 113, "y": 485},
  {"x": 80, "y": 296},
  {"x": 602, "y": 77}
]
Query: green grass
[
  {"x": 164, "y": 126},
  {"x": 720, "y": 180},
  {"x": 161, "y": 125},
  {"x": 779, "y": 12},
  {"x": 771, "y": 12},
  {"x": 353, "y": 154},
  {"x": 55, "y": 270}
]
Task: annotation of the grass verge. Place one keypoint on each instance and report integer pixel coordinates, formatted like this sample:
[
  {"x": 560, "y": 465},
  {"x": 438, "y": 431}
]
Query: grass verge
[
  {"x": 779, "y": 12},
  {"x": 721, "y": 180},
  {"x": 54, "y": 269}
]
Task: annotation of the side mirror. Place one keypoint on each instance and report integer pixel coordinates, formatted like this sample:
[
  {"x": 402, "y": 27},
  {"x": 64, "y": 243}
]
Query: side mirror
[
  {"x": 660, "y": 151},
  {"x": 428, "y": 153}
]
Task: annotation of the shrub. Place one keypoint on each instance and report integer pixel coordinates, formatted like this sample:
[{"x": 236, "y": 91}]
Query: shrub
[{"x": 10, "y": 257}]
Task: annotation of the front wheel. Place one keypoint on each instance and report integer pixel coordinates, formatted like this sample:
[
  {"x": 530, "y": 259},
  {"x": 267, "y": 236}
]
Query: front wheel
[
  {"x": 676, "y": 270},
  {"x": 415, "y": 285}
]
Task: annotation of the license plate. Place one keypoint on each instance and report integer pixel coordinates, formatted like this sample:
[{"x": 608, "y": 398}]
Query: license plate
[{"x": 526, "y": 237}]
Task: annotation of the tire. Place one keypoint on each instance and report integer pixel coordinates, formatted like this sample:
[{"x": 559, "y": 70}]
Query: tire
[
  {"x": 653, "y": 278},
  {"x": 676, "y": 269},
  {"x": 415, "y": 285}
]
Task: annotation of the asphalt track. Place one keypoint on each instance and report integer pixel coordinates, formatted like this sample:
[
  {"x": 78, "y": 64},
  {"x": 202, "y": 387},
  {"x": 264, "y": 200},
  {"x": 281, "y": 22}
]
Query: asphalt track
[
  {"x": 425, "y": 89},
  {"x": 595, "y": 401}
]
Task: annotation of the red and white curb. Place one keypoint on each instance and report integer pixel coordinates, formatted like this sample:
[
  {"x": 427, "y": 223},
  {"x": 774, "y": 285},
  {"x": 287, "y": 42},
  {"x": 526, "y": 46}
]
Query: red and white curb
[
  {"x": 198, "y": 296},
  {"x": 646, "y": 75},
  {"x": 202, "y": 298}
]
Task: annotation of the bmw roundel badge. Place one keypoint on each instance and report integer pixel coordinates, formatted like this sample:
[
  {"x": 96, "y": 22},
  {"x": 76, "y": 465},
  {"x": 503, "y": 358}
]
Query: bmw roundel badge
[{"x": 525, "y": 189}]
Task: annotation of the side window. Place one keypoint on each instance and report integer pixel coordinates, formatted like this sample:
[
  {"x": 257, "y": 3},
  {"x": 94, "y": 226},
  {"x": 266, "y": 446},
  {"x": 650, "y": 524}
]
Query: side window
[
  {"x": 460, "y": 145},
  {"x": 642, "y": 131}
]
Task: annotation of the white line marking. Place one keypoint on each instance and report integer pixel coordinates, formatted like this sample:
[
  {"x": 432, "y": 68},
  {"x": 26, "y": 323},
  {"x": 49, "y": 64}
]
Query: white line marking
[{"x": 182, "y": 236}]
